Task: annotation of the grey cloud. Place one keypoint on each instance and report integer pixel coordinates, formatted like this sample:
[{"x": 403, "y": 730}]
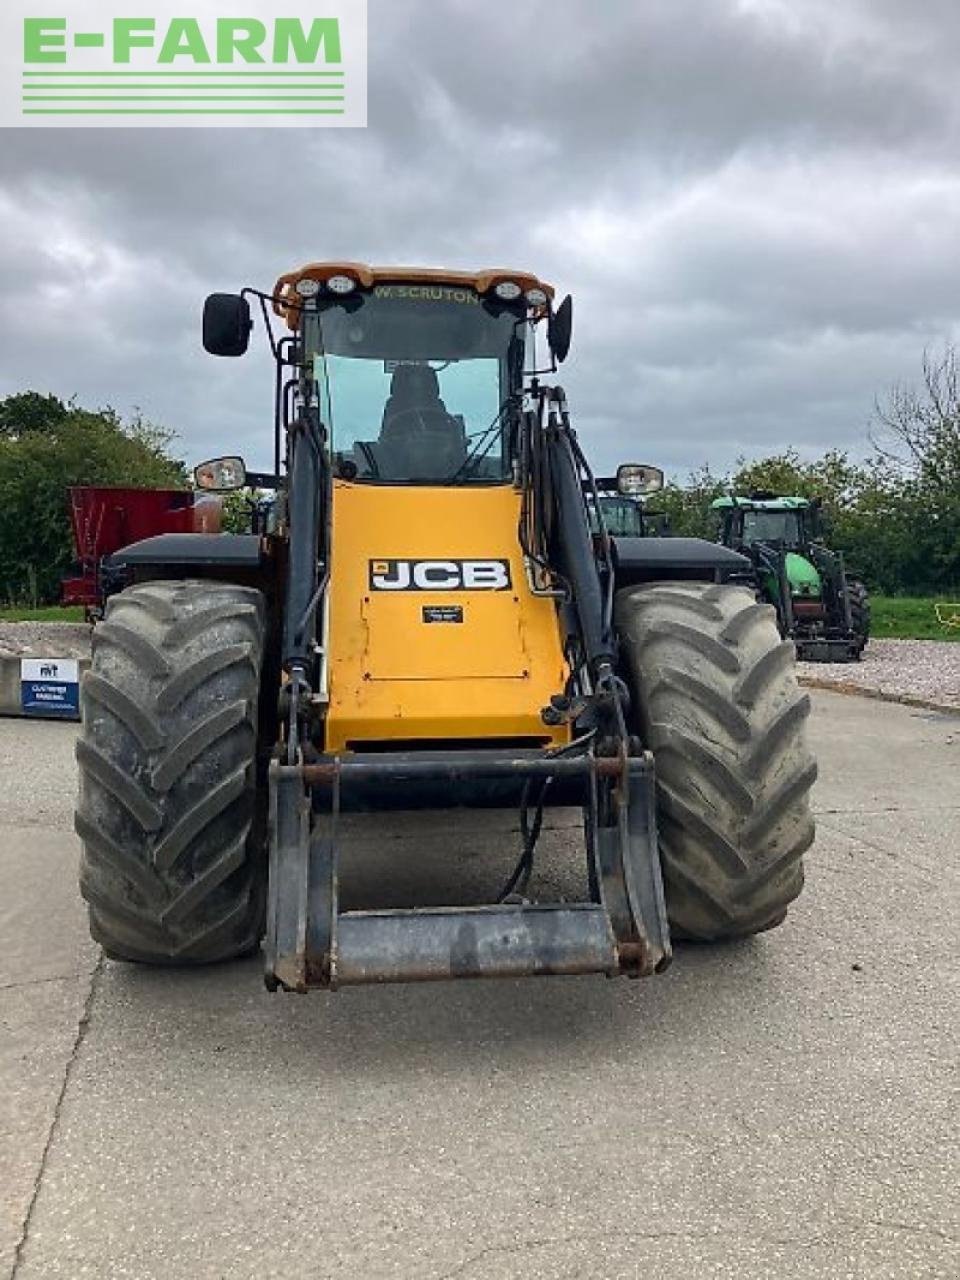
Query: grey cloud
[{"x": 754, "y": 204}]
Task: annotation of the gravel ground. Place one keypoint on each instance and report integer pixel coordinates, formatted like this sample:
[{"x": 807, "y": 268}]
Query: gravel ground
[
  {"x": 928, "y": 670},
  {"x": 44, "y": 639}
]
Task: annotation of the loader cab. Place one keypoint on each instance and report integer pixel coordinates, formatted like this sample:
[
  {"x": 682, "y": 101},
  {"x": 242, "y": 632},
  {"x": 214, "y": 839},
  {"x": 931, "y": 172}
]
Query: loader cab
[
  {"x": 620, "y": 500},
  {"x": 623, "y": 517},
  {"x": 420, "y": 385}
]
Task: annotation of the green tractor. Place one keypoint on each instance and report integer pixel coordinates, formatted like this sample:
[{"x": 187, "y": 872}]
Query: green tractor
[{"x": 819, "y": 606}]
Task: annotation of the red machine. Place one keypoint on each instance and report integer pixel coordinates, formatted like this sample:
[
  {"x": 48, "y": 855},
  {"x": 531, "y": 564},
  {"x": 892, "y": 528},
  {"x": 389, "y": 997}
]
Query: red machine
[{"x": 105, "y": 519}]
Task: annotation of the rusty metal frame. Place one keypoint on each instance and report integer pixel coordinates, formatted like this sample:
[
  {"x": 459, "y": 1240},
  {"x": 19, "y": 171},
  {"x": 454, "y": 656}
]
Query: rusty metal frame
[{"x": 310, "y": 943}]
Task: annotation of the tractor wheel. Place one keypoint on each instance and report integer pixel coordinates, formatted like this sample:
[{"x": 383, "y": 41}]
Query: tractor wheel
[
  {"x": 859, "y": 612},
  {"x": 171, "y": 809},
  {"x": 718, "y": 704}
]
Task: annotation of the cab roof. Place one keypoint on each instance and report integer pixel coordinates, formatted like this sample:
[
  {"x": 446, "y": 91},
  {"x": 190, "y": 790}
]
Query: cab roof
[
  {"x": 287, "y": 304},
  {"x": 761, "y": 504}
]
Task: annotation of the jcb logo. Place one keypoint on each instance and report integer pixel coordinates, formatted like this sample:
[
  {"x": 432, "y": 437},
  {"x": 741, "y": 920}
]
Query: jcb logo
[{"x": 439, "y": 575}]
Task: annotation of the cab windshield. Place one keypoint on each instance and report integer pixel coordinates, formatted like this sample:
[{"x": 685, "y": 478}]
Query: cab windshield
[
  {"x": 418, "y": 383},
  {"x": 622, "y": 516},
  {"x": 772, "y": 526}
]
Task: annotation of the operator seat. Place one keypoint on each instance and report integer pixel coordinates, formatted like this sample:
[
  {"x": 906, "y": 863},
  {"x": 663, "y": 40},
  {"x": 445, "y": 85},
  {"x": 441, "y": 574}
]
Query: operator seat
[{"x": 419, "y": 439}]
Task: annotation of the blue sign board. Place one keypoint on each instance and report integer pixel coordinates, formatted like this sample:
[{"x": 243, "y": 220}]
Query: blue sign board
[{"x": 50, "y": 687}]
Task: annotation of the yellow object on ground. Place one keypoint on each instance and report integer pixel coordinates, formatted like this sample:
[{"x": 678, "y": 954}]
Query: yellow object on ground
[{"x": 948, "y": 615}]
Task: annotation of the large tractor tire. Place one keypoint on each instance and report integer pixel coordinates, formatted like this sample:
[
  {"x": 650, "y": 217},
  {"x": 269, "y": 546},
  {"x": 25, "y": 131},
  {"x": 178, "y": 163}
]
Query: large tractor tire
[
  {"x": 171, "y": 809},
  {"x": 859, "y": 611},
  {"x": 717, "y": 702}
]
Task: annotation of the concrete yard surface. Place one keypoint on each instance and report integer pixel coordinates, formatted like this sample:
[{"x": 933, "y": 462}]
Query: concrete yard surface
[{"x": 783, "y": 1107}]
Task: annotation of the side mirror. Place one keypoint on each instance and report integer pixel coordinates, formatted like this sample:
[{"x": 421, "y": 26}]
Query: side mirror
[
  {"x": 635, "y": 478},
  {"x": 226, "y": 324},
  {"x": 220, "y": 475},
  {"x": 560, "y": 329}
]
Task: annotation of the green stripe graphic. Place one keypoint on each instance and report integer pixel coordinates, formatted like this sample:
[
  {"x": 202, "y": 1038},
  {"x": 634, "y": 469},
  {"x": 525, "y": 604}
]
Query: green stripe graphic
[
  {"x": 253, "y": 88},
  {"x": 183, "y": 111},
  {"x": 182, "y": 97},
  {"x": 212, "y": 74}
]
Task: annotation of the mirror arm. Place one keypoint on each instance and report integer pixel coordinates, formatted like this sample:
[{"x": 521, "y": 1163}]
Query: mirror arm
[{"x": 263, "y": 299}]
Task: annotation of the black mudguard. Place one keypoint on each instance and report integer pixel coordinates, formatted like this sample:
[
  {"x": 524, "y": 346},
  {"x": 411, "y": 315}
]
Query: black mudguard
[
  {"x": 243, "y": 558},
  {"x": 661, "y": 559},
  {"x": 190, "y": 551}
]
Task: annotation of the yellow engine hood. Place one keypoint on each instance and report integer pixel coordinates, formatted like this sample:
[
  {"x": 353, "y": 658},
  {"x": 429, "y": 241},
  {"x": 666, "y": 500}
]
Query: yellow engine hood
[{"x": 433, "y": 632}]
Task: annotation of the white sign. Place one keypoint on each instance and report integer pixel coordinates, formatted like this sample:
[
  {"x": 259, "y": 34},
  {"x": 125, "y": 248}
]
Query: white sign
[
  {"x": 50, "y": 687},
  {"x": 58, "y": 670}
]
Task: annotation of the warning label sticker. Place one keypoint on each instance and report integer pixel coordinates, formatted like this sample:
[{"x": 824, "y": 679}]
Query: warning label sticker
[{"x": 442, "y": 613}]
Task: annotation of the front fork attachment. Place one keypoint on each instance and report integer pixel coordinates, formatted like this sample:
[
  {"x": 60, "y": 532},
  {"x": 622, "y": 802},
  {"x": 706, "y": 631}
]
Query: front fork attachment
[
  {"x": 623, "y": 929},
  {"x": 302, "y": 895},
  {"x": 625, "y": 864}
]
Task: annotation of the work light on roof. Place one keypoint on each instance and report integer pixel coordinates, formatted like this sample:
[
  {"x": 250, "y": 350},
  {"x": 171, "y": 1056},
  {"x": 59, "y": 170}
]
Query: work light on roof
[
  {"x": 341, "y": 284},
  {"x": 537, "y": 297},
  {"x": 508, "y": 290},
  {"x": 307, "y": 287}
]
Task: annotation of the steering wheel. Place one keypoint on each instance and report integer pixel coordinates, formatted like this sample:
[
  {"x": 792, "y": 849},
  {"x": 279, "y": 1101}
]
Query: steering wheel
[{"x": 419, "y": 417}]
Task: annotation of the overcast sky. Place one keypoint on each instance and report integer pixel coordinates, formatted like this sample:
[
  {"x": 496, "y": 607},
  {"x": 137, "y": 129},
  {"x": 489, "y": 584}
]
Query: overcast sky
[{"x": 755, "y": 204}]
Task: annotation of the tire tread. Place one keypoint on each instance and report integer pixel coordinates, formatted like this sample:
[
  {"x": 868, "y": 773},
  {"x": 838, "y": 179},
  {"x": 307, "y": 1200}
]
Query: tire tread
[
  {"x": 719, "y": 706},
  {"x": 170, "y": 810}
]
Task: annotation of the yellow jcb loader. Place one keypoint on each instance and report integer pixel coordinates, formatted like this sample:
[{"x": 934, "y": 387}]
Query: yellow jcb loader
[{"x": 434, "y": 614}]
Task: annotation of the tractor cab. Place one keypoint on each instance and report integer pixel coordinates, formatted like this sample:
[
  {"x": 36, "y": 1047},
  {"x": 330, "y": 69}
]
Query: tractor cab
[
  {"x": 620, "y": 503},
  {"x": 765, "y": 518},
  {"x": 623, "y": 517}
]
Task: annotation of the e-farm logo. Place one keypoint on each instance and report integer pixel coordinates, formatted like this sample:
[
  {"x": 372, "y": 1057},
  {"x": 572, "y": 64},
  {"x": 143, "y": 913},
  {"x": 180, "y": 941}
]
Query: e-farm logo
[{"x": 260, "y": 63}]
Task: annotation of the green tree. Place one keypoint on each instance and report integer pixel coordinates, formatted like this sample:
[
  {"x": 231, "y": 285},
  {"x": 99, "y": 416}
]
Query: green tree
[
  {"x": 917, "y": 440},
  {"x": 688, "y": 505},
  {"x": 238, "y": 509},
  {"x": 30, "y": 411},
  {"x": 47, "y": 446},
  {"x": 833, "y": 477}
]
